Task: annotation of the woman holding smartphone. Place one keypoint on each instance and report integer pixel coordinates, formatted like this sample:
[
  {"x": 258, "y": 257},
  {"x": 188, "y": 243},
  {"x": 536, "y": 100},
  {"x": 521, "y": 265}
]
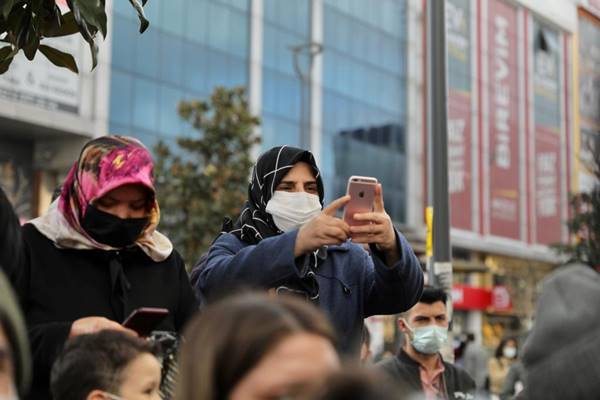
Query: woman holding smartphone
[
  {"x": 285, "y": 241},
  {"x": 96, "y": 256}
]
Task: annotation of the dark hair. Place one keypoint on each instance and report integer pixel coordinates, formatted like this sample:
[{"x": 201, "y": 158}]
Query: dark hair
[
  {"x": 500, "y": 349},
  {"x": 363, "y": 384},
  {"x": 95, "y": 361},
  {"x": 433, "y": 295},
  {"x": 231, "y": 336}
]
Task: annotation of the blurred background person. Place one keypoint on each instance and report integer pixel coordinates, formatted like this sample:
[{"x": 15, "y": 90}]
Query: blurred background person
[
  {"x": 108, "y": 365},
  {"x": 514, "y": 382},
  {"x": 498, "y": 366},
  {"x": 253, "y": 347},
  {"x": 95, "y": 255},
  {"x": 474, "y": 360},
  {"x": 15, "y": 359},
  {"x": 562, "y": 350}
]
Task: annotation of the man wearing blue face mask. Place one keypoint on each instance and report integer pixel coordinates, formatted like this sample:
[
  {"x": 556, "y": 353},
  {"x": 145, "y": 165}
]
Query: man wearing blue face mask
[
  {"x": 285, "y": 241},
  {"x": 419, "y": 364}
]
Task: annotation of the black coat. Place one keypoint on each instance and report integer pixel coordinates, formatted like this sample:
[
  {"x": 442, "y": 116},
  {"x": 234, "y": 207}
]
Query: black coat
[
  {"x": 405, "y": 371},
  {"x": 59, "y": 286}
]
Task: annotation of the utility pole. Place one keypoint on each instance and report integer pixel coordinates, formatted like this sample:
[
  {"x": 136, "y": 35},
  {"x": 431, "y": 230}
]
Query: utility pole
[
  {"x": 440, "y": 262},
  {"x": 305, "y": 80}
]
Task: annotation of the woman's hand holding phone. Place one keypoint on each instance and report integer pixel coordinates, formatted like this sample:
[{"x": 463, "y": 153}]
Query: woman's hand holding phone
[{"x": 379, "y": 229}]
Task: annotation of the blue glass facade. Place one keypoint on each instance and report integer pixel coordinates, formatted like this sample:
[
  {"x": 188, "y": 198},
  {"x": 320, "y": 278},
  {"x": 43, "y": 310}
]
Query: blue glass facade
[
  {"x": 364, "y": 97},
  {"x": 190, "y": 47},
  {"x": 286, "y": 24},
  {"x": 194, "y": 45}
]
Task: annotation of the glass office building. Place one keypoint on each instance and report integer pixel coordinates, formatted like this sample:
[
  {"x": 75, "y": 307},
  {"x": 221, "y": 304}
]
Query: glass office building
[{"x": 194, "y": 45}]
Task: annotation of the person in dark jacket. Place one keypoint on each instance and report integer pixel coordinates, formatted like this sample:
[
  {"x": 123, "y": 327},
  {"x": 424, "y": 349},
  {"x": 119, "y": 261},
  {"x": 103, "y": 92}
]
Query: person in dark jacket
[
  {"x": 15, "y": 358},
  {"x": 96, "y": 256},
  {"x": 285, "y": 242},
  {"x": 419, "y": 365}
]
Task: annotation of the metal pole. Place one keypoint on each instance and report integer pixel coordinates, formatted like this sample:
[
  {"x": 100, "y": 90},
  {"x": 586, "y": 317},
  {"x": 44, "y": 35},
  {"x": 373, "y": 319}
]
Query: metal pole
[
  {"x": 304, "y": 79},
  {"x": 441, "y": 266}
]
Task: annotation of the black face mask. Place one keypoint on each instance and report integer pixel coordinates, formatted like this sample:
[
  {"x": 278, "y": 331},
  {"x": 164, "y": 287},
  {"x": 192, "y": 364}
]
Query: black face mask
[{"x": 109, "y": 229}]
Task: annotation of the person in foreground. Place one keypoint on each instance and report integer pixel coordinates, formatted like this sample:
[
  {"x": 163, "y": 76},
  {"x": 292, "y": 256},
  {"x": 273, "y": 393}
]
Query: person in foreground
[
  {"x": 285, "y": 241},
  {"x": 96, "y": 256},
  {"x": 419, "y": 365},
  {"x": 108, "y": 365},
  {"x": 15, "y": 359},
  {"x": 254, "y": 347},
  {"x": 561, "y": 353}
]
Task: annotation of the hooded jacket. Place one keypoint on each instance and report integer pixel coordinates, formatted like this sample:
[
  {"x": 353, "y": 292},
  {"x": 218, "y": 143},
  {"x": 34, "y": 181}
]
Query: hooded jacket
[{"x": 562, "y": 352}]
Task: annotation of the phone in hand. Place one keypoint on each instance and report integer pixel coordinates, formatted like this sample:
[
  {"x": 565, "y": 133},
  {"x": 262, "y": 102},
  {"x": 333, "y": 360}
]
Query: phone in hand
[
  {"x": 145, "y": 319},
  {"x": 362, "y": 194}
]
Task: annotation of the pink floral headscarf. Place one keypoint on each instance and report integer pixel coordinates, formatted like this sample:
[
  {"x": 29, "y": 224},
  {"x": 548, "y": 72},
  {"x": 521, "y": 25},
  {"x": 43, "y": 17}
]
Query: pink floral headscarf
[{"x": 105, "y": 163}]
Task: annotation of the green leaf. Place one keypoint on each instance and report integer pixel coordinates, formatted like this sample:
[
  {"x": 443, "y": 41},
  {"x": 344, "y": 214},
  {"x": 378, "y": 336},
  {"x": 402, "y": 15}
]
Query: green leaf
[
  {"x": 94, "y": 53},
  {"x": 66, "y": 26},
  {"x": 5, "y": 52},
  {"x": 144, "y": 23},
  {"x": 6, "y": 62},
  {"x": 92, "y": 11},
  {"x": 7, "y": 6},
  {"x": 31, "y": 46},
  {"x": 59, "y": 58}
]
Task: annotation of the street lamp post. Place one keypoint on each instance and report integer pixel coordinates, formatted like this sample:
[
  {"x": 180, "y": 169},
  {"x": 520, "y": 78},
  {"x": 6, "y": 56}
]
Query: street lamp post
[
  {"x": 305, "y": 80},
  {"x": 439, "y": 265}
]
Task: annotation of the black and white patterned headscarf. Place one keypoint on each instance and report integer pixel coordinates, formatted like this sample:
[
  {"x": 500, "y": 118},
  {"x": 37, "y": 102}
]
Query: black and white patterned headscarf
[{"x": 254, "y": 223}]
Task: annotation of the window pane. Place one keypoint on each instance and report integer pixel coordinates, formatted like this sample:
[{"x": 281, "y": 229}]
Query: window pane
[
  {"x": 171, "y": 59},
  {"x": 195, "y": 67},
  {"x": 170, "y": 122},
  {"x": 218, "y": 35},
  {"x": 197, "y": 17},
  {"x": 147, "y": 53},
  {"x": 145, "y": 106},
  {"x": 239, "y": 34},
  {"x": 172, "y": 16},
  {"x": 120, "y": 98},
  {"x": 123, "y": 43}
]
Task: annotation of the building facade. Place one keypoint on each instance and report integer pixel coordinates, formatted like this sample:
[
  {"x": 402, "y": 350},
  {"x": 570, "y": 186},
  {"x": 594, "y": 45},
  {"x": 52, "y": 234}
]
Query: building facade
[{"x": 347, "y": 79}]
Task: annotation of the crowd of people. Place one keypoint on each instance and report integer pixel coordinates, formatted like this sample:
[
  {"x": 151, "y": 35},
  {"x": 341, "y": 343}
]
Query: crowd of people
[{"x": 274, "y": 310}]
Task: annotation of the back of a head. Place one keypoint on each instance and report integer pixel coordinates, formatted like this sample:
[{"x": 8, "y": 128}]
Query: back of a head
[
  {"x": 95, "y": 362},
  {"x": 231, "y": 336},
  {"x": 561, "y": 353},
  {"x": 363, "y": 384}
]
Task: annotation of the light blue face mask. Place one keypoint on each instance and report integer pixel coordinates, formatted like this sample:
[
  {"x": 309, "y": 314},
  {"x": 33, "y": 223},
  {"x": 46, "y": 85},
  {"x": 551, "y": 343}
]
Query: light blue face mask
[{"x": 428, "y": 339}]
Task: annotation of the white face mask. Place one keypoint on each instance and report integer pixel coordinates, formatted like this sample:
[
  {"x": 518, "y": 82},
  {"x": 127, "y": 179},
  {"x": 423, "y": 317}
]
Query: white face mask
[
  {"x": 509, "y": 352},
  {"x": 428, "y": 339},
  {"x": 291, "y": 210}
]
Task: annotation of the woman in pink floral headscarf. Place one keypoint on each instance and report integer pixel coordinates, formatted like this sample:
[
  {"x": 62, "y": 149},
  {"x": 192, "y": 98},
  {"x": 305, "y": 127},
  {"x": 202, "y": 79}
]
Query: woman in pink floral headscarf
[{"x": 96, "y": 255}]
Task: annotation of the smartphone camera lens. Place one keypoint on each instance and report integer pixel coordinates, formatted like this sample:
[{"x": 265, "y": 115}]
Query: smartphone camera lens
[{"x": 361, "y": 194}]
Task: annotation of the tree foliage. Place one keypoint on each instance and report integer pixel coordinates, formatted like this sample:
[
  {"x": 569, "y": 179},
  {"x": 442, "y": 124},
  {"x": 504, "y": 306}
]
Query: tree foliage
[
  {"x": 24, "y": 24},
  {"x": 584, "y": 221},
  {"x": 206, "y": 177}
]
